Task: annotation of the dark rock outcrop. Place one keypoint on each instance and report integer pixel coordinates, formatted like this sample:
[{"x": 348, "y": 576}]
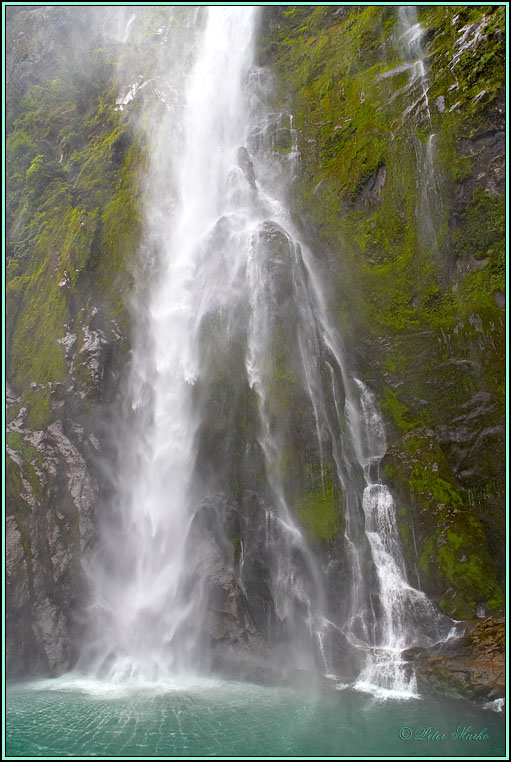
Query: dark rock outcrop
[
  {"x": 247, "y": 166},
  {"x": 214, "y": 540},
  {"x": 50, "y": 531},
  {"x": 54, "y": 484},
  {"x": 472, "y": 667}
]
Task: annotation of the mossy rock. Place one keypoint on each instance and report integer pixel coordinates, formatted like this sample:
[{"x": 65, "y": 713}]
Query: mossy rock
[
  {"x": 453, "y": 559},
  {"x": 320, "y": 507}
]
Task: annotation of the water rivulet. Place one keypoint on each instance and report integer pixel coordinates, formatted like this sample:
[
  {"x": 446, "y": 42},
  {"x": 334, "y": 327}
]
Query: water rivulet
[{"x": 250, "y": 524}]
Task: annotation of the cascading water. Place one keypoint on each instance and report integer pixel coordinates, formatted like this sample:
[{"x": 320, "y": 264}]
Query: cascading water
[
  {"x": 152, "y": 621},
  {"x": 407, "y": 616},
  {"x": 411, "y": 33},
  {"x": 410, "y": 43},
  {"x": 236, "y": 319}
]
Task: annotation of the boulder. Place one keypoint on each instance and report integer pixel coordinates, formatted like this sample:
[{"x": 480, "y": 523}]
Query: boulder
[{"x": 471, "y": 667}]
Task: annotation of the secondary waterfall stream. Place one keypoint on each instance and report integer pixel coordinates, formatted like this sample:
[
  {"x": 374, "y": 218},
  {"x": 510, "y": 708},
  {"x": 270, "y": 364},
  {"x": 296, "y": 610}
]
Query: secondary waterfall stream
[{"x": 240, "y": 397}]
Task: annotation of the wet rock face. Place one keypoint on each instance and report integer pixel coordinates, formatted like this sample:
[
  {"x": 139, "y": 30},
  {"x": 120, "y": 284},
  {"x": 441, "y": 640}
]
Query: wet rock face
[
  {"x": 486, "y": 151},
  {"x": 50, "y": 532},
  {"x": 230, "y": 582},
  {"x": 66, "y": 352},
  {"x": 468, "y": 433},
  {"x": 446, "y": 547},
  {"x": 246, "y": 165},
  {"x": 17, "y": 596},
  {"x": 33, "y": 49},
  {"x": 370, "y": 192},
  {"x": 232, "y": 636},
  {"x": 472, "y": 667},
  {"x": 53, "y": 488}
]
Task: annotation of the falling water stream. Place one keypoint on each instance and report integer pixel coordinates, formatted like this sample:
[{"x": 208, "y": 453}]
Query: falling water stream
[{"x": 410, "y": 43}]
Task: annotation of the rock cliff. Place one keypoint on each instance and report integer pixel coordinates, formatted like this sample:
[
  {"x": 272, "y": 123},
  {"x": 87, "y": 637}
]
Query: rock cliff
[{"x": 400, "y": 115}]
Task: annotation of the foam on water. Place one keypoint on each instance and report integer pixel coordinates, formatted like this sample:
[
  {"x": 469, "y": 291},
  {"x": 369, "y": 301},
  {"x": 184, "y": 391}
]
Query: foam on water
[{"x": 91, "y": 686}]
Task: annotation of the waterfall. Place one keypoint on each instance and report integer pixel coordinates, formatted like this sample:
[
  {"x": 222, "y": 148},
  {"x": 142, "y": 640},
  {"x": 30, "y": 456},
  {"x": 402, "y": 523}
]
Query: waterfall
[
  {"x": 429, "y": 205},
  {"x": 148, "y": 580},
  {"x": 410, "y": 33},
  {"x": 407, "y": 616},
  {"x": 237, "y": 372}
]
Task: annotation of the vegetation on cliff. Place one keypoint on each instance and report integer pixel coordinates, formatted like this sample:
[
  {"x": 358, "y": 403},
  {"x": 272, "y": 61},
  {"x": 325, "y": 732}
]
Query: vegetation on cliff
[
  {"x": 73, "y": 221},
  {"x": 401, "y": 192},
  {"x": 73, "y": 214}
]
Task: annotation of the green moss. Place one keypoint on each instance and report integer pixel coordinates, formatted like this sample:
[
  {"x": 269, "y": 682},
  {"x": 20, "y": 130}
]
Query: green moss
[
  {"x": 466, "y": 567},
  {"x": 119, "y": 235},
  {"x": 39, "y": 409},
  {"x": 73, "y": 220},
  {"x": 13, "y": 483},
  {"x": 33, "y": 480},
  {"x": 397, "y": 411},
  {"x": 14, "y": 440},
  {"x": 428, "y": 482},
  {"x": 13, "y": 297},
  {"x": 453, "y": 554},
  {"x": 34, "y": 352},
  {"x": 482, "y": 232},
  {"x": 335, "y": 119},
  {"x": 477, "y": 67},
  {"x": 425, "y": 555},
  {"x": 455, "y": 166},
  {"x": 437, "y": 336},
  {"x": 319, "y": 510},
  {"x": 30, "y": 456},
  {"x": 405, "y": 529}
]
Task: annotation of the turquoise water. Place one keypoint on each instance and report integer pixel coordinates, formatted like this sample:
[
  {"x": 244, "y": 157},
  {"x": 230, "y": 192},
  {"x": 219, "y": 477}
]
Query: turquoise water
[{"x": 198, "y": 717}]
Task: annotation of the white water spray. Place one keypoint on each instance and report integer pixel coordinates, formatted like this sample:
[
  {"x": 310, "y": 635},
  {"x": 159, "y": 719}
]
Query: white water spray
[
  {"x": 411, "y": 32},
  {"x": 151, "y": 625}
]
